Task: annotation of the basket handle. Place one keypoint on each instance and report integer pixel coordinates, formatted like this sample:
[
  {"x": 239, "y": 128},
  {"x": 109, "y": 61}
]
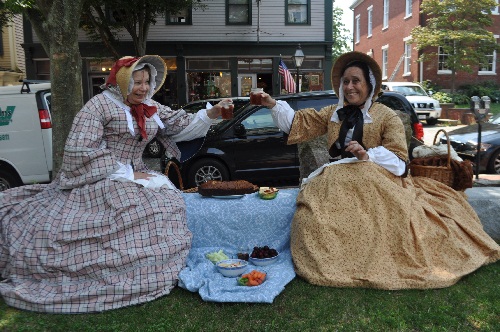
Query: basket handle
[
  {"x": 447, "y": 141},
  {"x": 177, "y": 170}
]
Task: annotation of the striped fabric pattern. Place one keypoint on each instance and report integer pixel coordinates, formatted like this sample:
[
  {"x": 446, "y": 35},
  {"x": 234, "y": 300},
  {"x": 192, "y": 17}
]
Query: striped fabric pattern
[{"x": 289, "y": 82}]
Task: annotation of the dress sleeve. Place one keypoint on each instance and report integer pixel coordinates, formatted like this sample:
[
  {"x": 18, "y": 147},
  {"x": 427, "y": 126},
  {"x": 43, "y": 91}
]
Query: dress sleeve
[
  {"x": 308, "y": 124},
  {"x": 86, "y": 157},
  {"x": 175, "y": 122}
]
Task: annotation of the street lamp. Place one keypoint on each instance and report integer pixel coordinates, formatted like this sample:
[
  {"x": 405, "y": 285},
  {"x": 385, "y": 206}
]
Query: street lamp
[{"x": 298, "y": 57}]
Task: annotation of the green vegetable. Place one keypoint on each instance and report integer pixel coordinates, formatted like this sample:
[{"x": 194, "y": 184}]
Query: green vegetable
[
  {"x": 216, "y": 256},
  {"x": 242, "y": 281}
]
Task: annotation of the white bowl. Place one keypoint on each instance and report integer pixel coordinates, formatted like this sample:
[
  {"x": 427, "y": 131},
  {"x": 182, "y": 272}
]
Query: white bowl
[
  {"x": 264, "y": 261},
  {"x": 232, "y": 267}
]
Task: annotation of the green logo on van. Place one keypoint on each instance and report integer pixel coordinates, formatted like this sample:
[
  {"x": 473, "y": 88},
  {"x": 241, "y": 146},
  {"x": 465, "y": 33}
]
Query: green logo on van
[{"x": 6, "y": 116}]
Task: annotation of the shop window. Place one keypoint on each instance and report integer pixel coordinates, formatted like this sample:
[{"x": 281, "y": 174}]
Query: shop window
[
  {"x": 206, "y": 85},
  {"x": 255, "y": 64},
  {"x": 298, "y": 11},
  {"x": 238, "y": 12}
]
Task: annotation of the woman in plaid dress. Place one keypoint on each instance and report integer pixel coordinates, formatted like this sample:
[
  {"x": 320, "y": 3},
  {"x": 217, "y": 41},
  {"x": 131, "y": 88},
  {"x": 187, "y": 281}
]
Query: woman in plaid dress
[{"x": 107, "y": 232}]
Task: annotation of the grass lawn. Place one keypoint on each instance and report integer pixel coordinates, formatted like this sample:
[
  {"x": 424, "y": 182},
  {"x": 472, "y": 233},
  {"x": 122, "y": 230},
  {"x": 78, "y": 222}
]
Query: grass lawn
[{"x": 473, "y": 304}]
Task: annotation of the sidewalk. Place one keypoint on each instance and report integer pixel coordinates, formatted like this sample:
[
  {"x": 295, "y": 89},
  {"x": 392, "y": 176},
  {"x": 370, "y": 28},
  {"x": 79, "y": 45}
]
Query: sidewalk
[
  {"x": 487, "y": 180},
  {"x": 484, "y": 197}
]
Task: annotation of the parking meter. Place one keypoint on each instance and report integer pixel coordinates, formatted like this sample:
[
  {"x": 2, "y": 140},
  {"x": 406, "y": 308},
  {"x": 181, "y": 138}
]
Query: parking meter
[{"x": 480, "y": 107}]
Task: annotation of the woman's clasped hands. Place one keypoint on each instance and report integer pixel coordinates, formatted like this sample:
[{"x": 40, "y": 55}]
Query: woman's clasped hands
[{"x": 357, "y": 150}]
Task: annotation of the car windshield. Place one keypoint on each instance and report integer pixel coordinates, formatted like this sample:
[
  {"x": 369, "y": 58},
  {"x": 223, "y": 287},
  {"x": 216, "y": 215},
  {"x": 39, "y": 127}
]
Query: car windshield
[{"x": 410, "y": 90}]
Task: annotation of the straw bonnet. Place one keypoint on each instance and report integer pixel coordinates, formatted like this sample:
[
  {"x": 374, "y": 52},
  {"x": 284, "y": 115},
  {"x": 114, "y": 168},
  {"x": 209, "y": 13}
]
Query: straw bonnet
[
  {"x": 347, "y": 58},
  {"x": 122, "y": 72}
]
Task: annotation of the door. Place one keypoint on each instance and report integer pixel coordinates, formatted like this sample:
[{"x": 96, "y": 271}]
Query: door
[
  {"x": 246, "y": 82},
  {"x": 261, "y": 152}
]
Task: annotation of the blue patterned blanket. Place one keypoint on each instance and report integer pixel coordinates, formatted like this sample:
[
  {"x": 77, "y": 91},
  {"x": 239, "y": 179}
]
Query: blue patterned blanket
[{"x": 230, "y": 224}]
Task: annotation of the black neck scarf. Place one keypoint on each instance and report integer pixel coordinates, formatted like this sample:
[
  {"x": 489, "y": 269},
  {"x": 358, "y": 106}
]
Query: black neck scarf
[{"x": 351, "y": 116}]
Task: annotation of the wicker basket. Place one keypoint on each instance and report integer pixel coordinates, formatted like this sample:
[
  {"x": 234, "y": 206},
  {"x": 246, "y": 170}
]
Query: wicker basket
[
  {"x": 178, "y": 172},
  {"x": 443, "y": 174}
]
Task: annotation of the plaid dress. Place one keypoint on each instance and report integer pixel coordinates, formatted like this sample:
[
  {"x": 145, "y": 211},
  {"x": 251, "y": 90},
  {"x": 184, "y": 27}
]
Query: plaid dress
[{"x": 85, "y": 243}]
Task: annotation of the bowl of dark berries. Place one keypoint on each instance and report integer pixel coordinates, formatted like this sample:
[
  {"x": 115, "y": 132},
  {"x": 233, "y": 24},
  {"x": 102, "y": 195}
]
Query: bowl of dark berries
[{"x": 262, "y": 256}]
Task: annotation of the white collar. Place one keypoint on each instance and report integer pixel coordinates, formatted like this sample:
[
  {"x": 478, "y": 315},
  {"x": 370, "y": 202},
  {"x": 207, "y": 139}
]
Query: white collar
[{"x": 126, "y": 108}]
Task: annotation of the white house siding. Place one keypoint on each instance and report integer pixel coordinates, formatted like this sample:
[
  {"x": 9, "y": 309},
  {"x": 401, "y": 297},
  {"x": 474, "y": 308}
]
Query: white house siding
[{"x": 210, "y": 25}]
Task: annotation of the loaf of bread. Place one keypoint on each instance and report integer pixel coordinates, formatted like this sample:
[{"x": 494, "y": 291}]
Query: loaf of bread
[{"x": 225, "y": 188}]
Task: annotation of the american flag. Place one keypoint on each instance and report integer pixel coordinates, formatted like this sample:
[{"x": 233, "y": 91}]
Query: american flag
[{"x": 287, "y": 77}]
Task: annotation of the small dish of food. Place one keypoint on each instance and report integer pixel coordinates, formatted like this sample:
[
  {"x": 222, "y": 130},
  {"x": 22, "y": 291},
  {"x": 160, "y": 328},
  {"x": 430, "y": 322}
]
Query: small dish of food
[
  {"x": 232, "y": 267},
  {"x": 268, "y": 192},
  {"x": 262, "y": 256}
]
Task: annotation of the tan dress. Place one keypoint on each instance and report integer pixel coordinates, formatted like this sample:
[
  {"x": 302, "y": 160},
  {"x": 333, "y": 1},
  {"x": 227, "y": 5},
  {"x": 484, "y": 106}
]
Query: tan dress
[{"x": 358, "y": 225}]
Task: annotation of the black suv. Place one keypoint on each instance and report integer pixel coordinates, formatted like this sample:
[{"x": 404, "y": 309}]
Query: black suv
[{"x": 250, "y": 147}]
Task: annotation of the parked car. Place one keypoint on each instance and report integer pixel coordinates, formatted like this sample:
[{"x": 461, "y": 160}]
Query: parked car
[
  {"x": 154, "y": 149},
  {"x": 250, "y": 147},
  {"x": 25, "y": 134},
  {"x": 464, "y": 140},
  {"x": 398, "y": 101},
  {"x": 427, "y": 108}
]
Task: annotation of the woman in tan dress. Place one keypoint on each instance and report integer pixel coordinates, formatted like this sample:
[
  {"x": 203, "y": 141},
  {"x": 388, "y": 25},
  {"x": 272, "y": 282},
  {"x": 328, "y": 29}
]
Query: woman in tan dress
[{"x": 361, "y": 221}]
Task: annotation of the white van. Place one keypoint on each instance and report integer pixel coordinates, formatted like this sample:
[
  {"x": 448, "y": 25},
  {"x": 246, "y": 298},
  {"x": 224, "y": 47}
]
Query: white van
[
  {"x": 427, "y": 108},
  {"x": 25, "y": 134}
]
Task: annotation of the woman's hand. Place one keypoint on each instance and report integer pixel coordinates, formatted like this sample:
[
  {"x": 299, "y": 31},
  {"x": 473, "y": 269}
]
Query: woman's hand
[
  {"x": 216, "y": 110},
  {"x": 267, "y": 100},
  {"x": 141, "y": 175},
  {"x": 357, "y": 150}
]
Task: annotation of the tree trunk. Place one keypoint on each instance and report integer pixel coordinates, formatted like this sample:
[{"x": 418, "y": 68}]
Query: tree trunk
[
  {"x": 56, "y": 23},
  {"x": 453, "y": 81}
]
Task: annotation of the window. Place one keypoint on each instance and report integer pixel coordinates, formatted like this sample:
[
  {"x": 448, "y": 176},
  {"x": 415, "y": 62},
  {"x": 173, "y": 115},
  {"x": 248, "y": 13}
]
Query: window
[
  {"x": 357, "y": 29},
  {"x": 408, "y": 8},
  {"x": 489, "y": 66},
  {"x": 407, "y": 63},
  {"x": 494, "y": 10},
  {"x": 370, "y": 18},
  {"x": 385, "y": 60},
  {"x": 386, "y": 14},
  {"x": 442, "y": 58},
  {"x": 182, "y": 17},
  {"x": 238, "y": 12},
  {"x": 298, "y": 11}
]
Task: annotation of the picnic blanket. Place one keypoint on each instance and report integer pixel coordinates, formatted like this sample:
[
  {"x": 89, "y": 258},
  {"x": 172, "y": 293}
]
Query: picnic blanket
[{"x": 230, "y": 224}]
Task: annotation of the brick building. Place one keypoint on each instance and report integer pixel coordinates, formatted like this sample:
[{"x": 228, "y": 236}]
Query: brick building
[{"x": 382, "y": 29}]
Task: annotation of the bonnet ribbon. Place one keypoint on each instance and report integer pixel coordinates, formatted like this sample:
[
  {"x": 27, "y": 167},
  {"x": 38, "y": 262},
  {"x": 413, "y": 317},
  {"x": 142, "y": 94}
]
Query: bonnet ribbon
[
  {"x": 140, "y": 112},
  {"x": 351, "y": 116}
]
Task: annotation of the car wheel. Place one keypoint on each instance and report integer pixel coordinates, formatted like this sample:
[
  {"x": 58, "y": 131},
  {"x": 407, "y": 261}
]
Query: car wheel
[
  {"x": 9, "y": 180},
  {"x": 205, "y": 170},
  {"x": 431, "y": 121},
  {"x": 154, "y": 149},
  {"x": 494, "y": 165}
]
